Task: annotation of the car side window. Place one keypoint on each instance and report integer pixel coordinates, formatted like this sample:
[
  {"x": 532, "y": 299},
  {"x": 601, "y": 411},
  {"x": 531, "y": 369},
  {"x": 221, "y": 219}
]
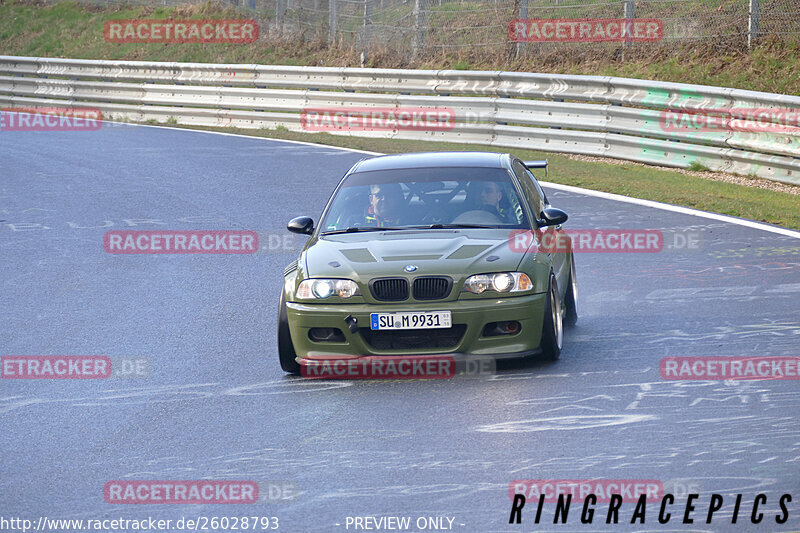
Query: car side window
[
  {"x": 538, "y": 187},
  {"x": 530, "y": 188}
]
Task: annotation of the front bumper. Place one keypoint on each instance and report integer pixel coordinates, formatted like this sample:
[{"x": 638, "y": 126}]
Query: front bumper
[{"x": 473, "y": 314}]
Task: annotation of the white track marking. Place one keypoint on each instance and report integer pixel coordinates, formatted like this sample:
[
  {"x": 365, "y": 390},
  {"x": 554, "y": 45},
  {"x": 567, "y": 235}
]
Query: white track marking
[
  {"x": 569, "y": 188},
  {"x": 674, "y": 209}
]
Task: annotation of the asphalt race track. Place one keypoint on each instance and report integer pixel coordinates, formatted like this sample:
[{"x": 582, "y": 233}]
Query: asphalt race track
[{"x": 216, "y": 404}]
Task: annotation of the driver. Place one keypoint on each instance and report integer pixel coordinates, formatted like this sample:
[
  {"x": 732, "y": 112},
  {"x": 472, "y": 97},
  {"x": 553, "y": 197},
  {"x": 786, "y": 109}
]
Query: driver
[
  {"x": 385, "y": 204},
  {"x": 491, "y": 195}
]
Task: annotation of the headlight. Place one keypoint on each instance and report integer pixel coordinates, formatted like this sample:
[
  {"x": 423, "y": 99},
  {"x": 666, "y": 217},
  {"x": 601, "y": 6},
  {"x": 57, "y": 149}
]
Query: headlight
[
  {"x": 499, "y": 282},
  {"x": 323, "y": 288}
]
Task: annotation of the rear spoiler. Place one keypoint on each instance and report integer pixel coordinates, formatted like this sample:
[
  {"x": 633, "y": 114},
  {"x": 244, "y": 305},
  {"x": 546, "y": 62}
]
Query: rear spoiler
[{"x": 541, "y": 163}]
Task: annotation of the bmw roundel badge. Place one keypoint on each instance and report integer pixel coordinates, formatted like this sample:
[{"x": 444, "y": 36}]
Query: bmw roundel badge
[{"x": 410, "y": 268}]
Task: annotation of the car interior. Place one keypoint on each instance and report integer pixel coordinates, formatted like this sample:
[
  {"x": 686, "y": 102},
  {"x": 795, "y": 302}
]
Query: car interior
[{"x": 431, "y": 202}]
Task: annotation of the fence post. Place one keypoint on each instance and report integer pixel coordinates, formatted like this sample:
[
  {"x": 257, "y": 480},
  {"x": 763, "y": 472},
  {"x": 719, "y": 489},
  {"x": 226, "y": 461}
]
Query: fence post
[
  {"x": 419, "y": 27},
  {"x": 523, "y": 9},
  {"x": 331, "y": 21},
  {"x": 630, "y": 12},
  {"x": 753, "y": 22},
  {"x": 523, "y": 14},
  {"x": 280, "y": 14},
  {"x": 367, "y": 23}
]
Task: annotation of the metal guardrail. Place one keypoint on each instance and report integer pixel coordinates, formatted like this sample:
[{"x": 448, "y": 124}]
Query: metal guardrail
[{"x": 591, "y": 115}]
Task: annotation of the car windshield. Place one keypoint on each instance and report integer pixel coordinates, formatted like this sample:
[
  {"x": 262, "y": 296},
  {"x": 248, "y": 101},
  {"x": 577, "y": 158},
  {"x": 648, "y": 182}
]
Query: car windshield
[{"x": 426, "y": 198}]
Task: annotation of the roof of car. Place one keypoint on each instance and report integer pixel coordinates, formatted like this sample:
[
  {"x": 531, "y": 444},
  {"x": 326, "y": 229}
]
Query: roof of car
[{"x": 433, "y": 159}]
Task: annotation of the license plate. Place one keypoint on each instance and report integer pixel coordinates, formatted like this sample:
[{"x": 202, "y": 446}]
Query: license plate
[{"x": 422, "y": 320}]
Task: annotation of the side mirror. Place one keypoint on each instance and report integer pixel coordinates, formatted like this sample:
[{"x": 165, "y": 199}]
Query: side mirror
[
  {"x": 553, "y": 217},
  {"x": 301, "y": 225}
]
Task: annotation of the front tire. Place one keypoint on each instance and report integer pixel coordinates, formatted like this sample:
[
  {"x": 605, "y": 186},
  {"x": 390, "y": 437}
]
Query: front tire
[
  {"x": 553, "y": 326},
  {"x": 286, "y": 352}
]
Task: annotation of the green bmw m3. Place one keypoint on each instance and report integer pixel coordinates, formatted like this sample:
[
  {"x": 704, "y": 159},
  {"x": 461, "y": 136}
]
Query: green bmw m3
[{"x": 428, "y": 254}]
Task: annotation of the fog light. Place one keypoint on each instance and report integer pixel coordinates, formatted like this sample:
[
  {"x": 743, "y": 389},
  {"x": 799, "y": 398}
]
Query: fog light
[
  {"x": 326, "y": 335},
  {"x": 495, "y": 329}
]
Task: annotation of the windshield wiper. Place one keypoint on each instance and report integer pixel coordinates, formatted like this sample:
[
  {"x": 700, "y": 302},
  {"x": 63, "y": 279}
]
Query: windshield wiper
[
  {"x": 456, "y": 226},
  {"x": 358, "y": 229}
]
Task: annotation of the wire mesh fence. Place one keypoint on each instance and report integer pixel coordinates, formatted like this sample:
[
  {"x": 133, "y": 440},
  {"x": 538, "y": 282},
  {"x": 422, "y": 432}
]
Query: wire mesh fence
[{"x": 419, "y": 27}]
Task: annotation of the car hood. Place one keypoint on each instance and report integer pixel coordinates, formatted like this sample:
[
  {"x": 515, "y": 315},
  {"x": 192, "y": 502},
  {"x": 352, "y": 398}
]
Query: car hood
[{"x": 362, "y": 256}]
